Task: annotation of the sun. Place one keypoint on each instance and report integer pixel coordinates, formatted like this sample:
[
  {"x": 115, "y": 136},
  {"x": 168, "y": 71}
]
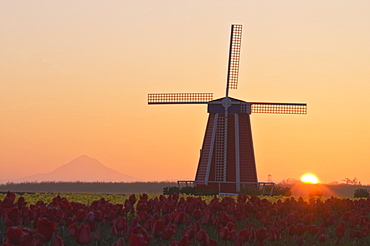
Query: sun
[{"x": 309, "y": 178}]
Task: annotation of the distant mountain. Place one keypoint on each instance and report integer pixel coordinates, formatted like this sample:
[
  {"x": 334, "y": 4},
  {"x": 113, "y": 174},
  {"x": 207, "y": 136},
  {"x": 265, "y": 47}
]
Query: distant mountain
[{"x": 83, "y": 168}]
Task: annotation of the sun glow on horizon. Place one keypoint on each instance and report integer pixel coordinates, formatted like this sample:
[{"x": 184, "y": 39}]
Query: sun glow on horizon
[{"x": 309, "y": 178}]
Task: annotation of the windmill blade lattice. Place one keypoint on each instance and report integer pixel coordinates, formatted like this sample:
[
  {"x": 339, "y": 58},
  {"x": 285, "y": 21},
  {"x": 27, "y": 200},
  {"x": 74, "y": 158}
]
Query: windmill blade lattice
[
  {"x": 234, "y": 57},
  {"x": 179, "y": 98},
  {"x": 273, "y": 108}
]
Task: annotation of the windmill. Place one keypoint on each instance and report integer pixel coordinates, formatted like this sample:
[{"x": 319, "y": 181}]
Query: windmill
[{"x": 227, "y": 160}]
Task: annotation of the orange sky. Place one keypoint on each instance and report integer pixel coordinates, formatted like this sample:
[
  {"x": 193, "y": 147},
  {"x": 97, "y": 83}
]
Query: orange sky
[{"x": 74, "y": 78}]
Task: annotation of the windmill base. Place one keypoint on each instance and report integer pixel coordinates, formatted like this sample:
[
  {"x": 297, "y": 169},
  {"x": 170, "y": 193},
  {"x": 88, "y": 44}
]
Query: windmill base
[{"x": 227, "y": 174}]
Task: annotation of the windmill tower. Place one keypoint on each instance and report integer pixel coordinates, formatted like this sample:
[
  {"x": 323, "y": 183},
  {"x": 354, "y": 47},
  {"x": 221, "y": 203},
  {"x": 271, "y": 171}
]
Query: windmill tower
[{"x": 227, "y": 159}]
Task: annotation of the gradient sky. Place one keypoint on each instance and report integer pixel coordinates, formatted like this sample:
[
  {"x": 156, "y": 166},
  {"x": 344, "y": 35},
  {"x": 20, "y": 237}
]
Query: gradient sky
[{"x": 74, "y": 78}]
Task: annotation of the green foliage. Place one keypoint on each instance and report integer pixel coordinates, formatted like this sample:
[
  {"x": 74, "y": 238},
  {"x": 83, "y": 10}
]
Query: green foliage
[
  {"x": 188, "y": 190},
  {"x": 169, "y": 190},
  {"x": 278, "y": 190},
  {"x": 199, "y": 190},
  {"x": 251, "y": 190},
  {"x": 204, "y": 190},
  {"x": 361, "y": 193}
]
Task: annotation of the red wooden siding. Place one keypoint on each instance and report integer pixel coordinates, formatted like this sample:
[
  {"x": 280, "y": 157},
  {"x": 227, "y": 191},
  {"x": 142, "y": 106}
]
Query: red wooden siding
[
  {"x": 203, "y": 160},
  {"x": 247, "y": 170}
]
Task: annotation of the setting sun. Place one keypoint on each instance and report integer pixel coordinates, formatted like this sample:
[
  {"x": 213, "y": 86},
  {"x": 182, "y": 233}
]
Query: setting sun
[{"x": 309, "y": 178}]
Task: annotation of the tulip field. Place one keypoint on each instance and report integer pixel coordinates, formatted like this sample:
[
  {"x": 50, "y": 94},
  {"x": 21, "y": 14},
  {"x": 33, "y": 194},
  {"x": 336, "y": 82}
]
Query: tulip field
[{"x": 93, "y": 219}]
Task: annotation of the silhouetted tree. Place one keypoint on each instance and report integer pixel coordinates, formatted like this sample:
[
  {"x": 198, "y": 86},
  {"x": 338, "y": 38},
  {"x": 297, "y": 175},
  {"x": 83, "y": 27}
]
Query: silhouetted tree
[{"x": 353, "y": 181}]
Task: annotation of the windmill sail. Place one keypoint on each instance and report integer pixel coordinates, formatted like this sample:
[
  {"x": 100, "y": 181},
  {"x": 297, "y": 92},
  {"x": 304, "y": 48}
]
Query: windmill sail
[
  {"x": 179, "y": 98},
  {"x": 234, "y": 57},
  {"x": 273, "y": 108},
  {"x": 279, "y": 108}
]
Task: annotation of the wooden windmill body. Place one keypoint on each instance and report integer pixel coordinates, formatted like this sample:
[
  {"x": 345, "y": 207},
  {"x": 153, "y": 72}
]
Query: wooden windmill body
[{"x": 227, "y": 160}]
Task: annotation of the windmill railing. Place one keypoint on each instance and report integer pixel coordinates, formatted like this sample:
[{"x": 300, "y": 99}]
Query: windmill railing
[{"x": 259, "y": 185}]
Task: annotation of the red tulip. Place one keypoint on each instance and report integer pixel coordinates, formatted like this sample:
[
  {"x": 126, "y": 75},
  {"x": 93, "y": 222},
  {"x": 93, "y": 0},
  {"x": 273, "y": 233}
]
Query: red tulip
[
  {"x": 144, "y": 197},
  {"x": 355, "y": 234},
  {"x": 240, "y": 215},
  {"x": 206, "y": 241},
  {"x": 239, "y": 241},
  {"x": 21, "y": 202},
  {"x": 142, "y": 206},
  {"x": 138, "y": 229},
  {"x": 261, "y": 234},
  {"x": 340, "y": 229},
  {"x": 365, "y": 232},
  {"x": 231, "y": 225},
  {"x": 190, "y": 231},
  {"x": 120, "y": 242},
  {"x": 300, "y": 229},
  {"x": 120, "y": 224},
  {"x": 29, "y": 239},
  {"x": 99, "y": 215},
  {"x": 58, "y": 241},
  {"x": 19, "y": 236},
  {"x": 149, "y": 223},
  {"x": 169, "y": 231},
  {"x": 129, "y": 207},
  {"x": 322, "y": 238},
  {"x": 197, "y": 214},
  {"x": 244, "y": 234},
  {"x": 138, "y": 240},
  {"x": 46, "y": 229},
  {"x": 189, "y": 208},
  {"x": 10, "y": 197},
  {"x": 201, "y": 235},
  {"x": 13, "y": 217},
  {"x": 72, "y": 230},
  {"x": 14, "y": 235},
  {"x": 132, "y": 199},
  {"x": 233, "y": 235},
  {"x": 292, "y": 230},
  {"x": 80, "y": 215},
  {"x": 292, "y": 218},
  {"x": 241, "y": 198},
  {"x": 184, "y": 241},
  {"x": 158, "y": 228},
  {"x": 181, "y": 217},
  {"x": 208, "y": 218},
  {"x": 275, "y": 235},
  {"x": 224, "y": 233},
  {"x": 83, "y": 234},
  {"x": 266, "y": 219},
  {"x": 210, "y": 242},
  {"x": 307, "y": 219}
]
